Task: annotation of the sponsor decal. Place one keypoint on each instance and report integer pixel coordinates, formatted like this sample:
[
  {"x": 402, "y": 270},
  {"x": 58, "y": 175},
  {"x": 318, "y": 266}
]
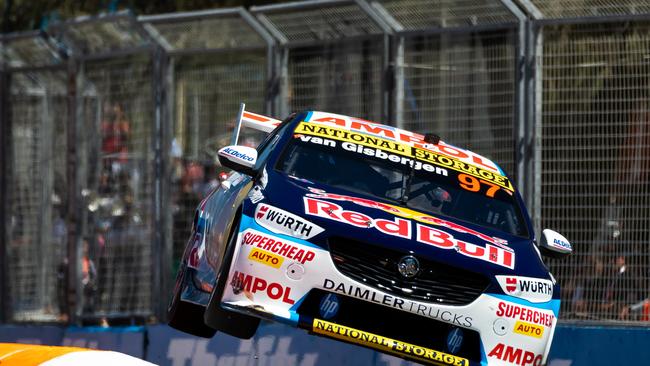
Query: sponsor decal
[
  {"x": 561, "y": 244},
  {"x": 250, "y": 285},
  {"x": 463, "y": 167},
  {"x": 528, "y": 288},
  {"x": 454, "y": 340},
  {"x": 193, "y": 259},
  {"x": 255, "y": 194},
  {"x": 402, "y": 136},
  {"x": 406, "y": 213},
  {"x": 375, "y": 146},
  {"x": 529, "y": 329},
  {"x": 513, "y": 311},
  {"x": 375, "y": 152},
  {"x": 283, "y": 222},
  {"x": 237, "y": 154},
  {"x": 515, "y": 356},
  {"x": 402, "y": 228},
  {"x": 385, "y": 344},
  {"x": 339, "y": 134},
  {"x": 264, "y": 257},
  {"x": 277, "y": 246},
  {"x": 329, "y": 306},
  {"x": 397, "y": 303}
]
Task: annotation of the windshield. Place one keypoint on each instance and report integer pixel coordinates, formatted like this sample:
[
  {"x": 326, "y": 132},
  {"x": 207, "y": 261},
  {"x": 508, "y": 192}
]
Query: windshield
[{"x": 393, "y": 174}]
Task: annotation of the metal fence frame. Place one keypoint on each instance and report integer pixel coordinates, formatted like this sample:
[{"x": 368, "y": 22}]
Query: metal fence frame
[
  {"x": 165, "y": 54},
  {"x": 4, "y": 140},
  {"x": 284, "y": 46},
  {"x": 536, "y": 23},
  {"x": 78, "y": 59},
  {"x": 7, "y": 70}
]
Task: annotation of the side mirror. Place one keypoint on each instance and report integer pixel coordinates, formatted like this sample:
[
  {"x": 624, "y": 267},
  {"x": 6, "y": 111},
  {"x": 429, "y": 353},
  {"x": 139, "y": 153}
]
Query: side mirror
[
  {"x": 554, "y": 245},
  {"x": 238, "y": 158}
]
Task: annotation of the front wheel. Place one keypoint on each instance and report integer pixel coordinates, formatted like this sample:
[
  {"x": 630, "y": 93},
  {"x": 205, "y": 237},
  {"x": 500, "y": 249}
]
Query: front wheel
[
  {"x": 185, "y": 316},
  {"x": 236, "y": 324}
]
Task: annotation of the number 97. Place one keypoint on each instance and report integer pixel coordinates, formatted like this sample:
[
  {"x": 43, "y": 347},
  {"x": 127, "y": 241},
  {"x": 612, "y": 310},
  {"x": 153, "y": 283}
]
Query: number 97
[{"x": 473, "y": 184}]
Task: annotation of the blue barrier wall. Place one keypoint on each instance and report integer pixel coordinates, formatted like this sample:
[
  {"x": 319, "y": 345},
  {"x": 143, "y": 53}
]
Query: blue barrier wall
[
  {"x": 275, "y": 344},
  {"x": 578, "y": 346}
]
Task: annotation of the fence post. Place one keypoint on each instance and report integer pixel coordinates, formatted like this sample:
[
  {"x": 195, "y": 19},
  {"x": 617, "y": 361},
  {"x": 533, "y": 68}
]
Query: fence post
[
  {"x": 162, "y": 241},
  {"x": 75, "y": 201},
  {"x": 5, "y": 141},
  {"x": 534, "y": 118},
  {"x": 523, "y": 148}
]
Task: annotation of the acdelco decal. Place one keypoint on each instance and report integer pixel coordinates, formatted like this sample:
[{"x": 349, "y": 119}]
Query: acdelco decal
[
  {"x": 528, "y": 329},
  {"x": 277, "y": 246},
  {"x": 402, "y": 228},
  {"x": 517, "y": 312},
  {"x": 264, "y": 257},
  {"x": 251, "y": 284},
  {"x": 283, "y": 222},
  {"x": 528, "y": 288},
  {"x": 385, "y": 344},
  {"x": 425, "y": 310},
  {"x": 515, "y": 356},
  {"x": 406, "y": 213},
  {"x": 403, "y": 136}
]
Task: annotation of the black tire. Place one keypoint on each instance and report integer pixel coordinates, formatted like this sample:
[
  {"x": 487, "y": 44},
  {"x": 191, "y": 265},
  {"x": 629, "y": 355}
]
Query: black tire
[
  {"x": 235, "y": 324},
  {"x": 185, "y": 316}
]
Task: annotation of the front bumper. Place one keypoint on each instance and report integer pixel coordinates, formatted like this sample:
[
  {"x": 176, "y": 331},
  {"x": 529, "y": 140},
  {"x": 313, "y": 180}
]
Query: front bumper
[{"x": 288, "y": 280}]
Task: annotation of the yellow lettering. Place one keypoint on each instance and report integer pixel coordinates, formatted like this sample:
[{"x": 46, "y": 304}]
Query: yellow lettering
[{"x": 384, "y": 344}]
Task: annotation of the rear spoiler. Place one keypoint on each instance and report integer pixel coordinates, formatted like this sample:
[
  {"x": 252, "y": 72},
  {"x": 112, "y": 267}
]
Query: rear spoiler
[{"x": 253, "y": 120}]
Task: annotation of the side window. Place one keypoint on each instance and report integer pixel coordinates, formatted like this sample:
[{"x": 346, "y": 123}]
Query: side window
[{"x": 267, "y": 146}]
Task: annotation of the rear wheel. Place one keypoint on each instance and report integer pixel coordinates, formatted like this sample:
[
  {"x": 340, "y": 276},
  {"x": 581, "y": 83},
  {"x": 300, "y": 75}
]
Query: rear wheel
[
  {"x": 185, "y": 316},
  {"x": 236, "y": 324}
]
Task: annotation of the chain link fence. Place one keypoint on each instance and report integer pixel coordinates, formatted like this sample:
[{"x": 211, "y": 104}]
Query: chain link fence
[
  {"x": 595, "y": 148},
  {"x": 207, "y": 78},
  {"x": 456, "y": 66},
  {"x": 334, "y": 56},
  {"x": 35, "y": 171},
  {"x": 112, "y": 126}
]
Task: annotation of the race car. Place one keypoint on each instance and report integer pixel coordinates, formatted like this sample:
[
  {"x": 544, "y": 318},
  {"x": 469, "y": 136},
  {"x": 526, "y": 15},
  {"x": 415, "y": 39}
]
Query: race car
[{"x": 371, "y": 235}]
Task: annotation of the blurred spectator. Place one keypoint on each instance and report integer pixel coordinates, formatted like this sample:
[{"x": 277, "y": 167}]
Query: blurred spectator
[
  {"x": 88, "y": 278},
  {"x": 115, "y": 131}
]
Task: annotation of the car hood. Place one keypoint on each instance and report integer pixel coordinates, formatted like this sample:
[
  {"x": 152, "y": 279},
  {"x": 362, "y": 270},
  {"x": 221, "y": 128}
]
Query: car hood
[{"x": 355, "y": 216}]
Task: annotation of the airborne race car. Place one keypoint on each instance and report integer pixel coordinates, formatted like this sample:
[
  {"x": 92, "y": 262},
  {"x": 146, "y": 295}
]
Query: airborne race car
[{"x": 371, "y": 235}]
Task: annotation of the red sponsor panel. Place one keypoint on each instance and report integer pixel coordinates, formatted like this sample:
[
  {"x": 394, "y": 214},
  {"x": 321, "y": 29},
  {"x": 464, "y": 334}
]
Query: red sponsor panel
[
  {"x": 443, "y": 240},
  {"x": 406, "y": 213},
  {"x": 513, "y": 311},
  {"x": 251, "y": 285},
  {"x": 515, "y": 356},
  {"x": 402, "y": 228},
  {"x": 280, "y": 247}
]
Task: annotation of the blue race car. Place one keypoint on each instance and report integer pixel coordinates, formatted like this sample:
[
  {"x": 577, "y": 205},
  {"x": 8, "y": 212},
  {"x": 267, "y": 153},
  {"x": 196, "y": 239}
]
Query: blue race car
[{"x": 371, "y": 235}]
